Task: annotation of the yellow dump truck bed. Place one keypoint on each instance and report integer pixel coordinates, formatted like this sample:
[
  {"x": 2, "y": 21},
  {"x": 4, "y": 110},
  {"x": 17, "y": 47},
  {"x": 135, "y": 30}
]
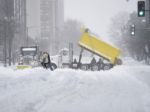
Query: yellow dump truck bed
[{"x": 99, "y": 47}]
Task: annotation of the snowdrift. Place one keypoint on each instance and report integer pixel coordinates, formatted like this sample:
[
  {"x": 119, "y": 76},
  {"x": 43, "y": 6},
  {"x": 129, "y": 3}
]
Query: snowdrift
[{"x": 37, "y": 90}]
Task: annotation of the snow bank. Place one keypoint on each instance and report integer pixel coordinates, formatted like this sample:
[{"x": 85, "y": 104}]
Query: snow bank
[
  {"x": 39, "y": 90},
  {"x": 131, "y": 61}
]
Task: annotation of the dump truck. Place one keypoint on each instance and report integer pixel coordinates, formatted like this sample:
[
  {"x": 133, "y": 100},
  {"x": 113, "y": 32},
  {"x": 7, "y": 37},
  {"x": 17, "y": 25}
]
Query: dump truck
[
  {"x": 100, "y": 48},
  {"x": 106, "y": 57}
]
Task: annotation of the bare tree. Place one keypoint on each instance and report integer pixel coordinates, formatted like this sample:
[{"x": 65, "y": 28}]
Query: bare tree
[
  {"x": 120, "y": 31},
  {"x": 117, "y": 29}
]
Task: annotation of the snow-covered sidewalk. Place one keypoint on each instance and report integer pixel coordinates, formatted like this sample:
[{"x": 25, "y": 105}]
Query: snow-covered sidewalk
[{"x": 121, "y": 89}]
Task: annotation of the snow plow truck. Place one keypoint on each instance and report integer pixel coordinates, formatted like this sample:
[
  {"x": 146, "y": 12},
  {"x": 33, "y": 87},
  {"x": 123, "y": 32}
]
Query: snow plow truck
[{"x": 28, "y": 57}]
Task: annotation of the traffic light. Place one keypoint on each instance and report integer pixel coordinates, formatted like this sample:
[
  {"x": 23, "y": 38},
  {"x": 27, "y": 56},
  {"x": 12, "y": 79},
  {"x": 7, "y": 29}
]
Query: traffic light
[
  {"x": 141, "y": 8},
  {"x": 132, "y": 30}
]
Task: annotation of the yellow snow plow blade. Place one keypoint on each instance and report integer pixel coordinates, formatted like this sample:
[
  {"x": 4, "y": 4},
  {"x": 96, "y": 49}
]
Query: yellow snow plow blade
[
  {"x": 99, "y": 47},
  {"x": 22, "y": 67}
]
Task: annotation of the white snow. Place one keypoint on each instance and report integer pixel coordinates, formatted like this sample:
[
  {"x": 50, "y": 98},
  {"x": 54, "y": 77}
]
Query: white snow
[{"x": 124, "y": 88}]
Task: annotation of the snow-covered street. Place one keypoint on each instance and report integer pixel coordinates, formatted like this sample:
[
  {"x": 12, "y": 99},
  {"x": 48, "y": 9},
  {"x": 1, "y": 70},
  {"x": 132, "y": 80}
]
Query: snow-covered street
[
  {"x": 124, "y": 88},
  {"x": 74, "y": 55}
]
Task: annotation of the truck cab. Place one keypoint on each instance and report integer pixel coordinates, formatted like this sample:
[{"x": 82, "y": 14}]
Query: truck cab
[{"x": 28, "y": 57}]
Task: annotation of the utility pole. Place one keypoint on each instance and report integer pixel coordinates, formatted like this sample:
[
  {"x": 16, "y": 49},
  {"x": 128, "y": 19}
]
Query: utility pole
[
  {"x": 25, "y": 22},
  {"x": 10, "y": 25},
  {"x": 5, "y": 45},
  {"x": 27, "y": 43}
]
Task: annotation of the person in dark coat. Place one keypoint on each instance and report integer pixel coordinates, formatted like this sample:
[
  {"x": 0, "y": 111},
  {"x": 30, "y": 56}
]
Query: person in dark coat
[
  {"x": 93, "y": 61},
  {"x": 45, "y": 60}
]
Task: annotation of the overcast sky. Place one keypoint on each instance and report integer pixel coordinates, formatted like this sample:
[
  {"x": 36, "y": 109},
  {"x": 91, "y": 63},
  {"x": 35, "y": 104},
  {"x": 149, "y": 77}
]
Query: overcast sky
[
  {"x": 97, "y": 14},
  {"x": 94, "y": 14}
]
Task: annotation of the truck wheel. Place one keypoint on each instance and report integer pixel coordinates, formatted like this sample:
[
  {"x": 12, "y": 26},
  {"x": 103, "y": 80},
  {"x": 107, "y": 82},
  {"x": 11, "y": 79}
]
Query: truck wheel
[
  {"x": 106, "y": 67},
  {"x": 53, "y": 66},
  {"x": 148, "y": 61},
  {"x": 119, "y": 61},
  {"x": 94, "y": 68},
  {"x": 84, "y": 67}
]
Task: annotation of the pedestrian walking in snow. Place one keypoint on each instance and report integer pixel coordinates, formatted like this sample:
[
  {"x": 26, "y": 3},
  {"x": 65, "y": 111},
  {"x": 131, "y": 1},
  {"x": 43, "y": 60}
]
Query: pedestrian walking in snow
[{"x": 45, "y": 60}]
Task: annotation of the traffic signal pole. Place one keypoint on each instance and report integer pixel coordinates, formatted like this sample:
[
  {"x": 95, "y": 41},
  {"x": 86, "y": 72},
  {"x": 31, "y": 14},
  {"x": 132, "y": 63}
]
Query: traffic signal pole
[
  {"x": 149, "y": 14},
  {"x": 141, "y": 8},
  {"x": 148, "y": 10}
]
